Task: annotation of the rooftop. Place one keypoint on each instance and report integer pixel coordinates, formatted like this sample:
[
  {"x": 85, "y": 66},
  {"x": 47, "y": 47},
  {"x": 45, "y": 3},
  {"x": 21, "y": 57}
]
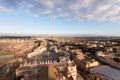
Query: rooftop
[{"x": 107, "y": 71}]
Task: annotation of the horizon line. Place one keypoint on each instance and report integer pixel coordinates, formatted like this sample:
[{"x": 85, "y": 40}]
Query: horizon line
[{"x": 71, "y": 35}]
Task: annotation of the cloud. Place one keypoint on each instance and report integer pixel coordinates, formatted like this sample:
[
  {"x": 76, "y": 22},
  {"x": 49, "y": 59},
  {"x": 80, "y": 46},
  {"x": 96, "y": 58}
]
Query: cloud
[
  {"x": 82, "y": 10},
  {"x": 4, "y": 9},
  {"x": 11, "y": 3}
]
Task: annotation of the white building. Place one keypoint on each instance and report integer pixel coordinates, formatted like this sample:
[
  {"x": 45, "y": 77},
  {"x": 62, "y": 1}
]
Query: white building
[{"x": 72, "y": 69}]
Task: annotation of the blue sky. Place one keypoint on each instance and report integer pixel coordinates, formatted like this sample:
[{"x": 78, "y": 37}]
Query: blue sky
[{"x": 60, "y": 17}]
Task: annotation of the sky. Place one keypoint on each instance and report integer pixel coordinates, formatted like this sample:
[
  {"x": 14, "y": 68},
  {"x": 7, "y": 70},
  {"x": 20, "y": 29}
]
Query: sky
[{"x": 84, "y": 17}]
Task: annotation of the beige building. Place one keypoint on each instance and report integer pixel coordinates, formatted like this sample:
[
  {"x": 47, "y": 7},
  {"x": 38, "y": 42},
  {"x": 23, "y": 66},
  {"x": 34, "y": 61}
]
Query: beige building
[{"x": 86, "y": 63}]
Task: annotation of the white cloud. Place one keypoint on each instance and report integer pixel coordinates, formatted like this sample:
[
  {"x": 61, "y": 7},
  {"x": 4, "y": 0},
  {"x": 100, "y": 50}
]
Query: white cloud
[
  {"x": 98, "y": 10},
  {"x": 4, "y": 9}
]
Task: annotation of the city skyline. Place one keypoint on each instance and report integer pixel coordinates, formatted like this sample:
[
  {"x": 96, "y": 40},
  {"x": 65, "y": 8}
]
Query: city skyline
[{"x": 60, "y": 17}]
